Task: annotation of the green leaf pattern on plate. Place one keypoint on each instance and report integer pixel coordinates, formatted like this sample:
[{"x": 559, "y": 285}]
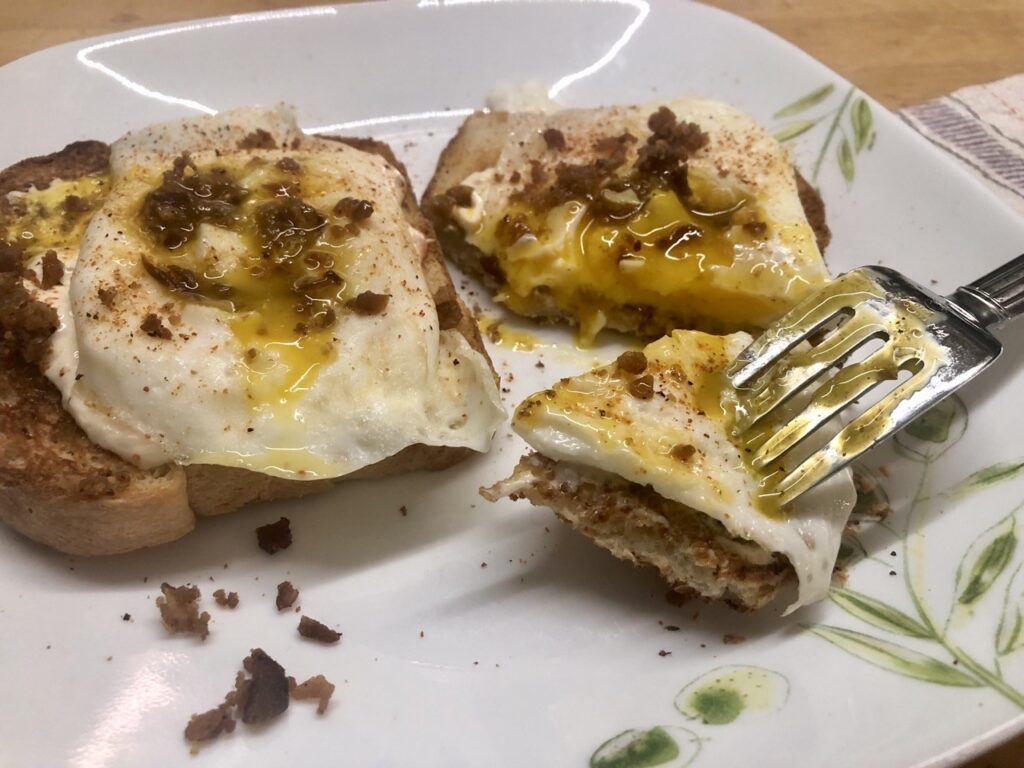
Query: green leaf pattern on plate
[
  {"x": 895, "y": 658},
  {"x": 862, "y": 123},
  {"x": 663, "y": 746},
  {"x": 877, "y": 613},
  {"x": 984, "y": 563},
  {"x": 1010, "y": 635},
  {"x": 861, "y": 128},
  {"x": 997, "y": 473},
  {"x": 985, "y": 560},
  {"x": 813, "y": 98}
]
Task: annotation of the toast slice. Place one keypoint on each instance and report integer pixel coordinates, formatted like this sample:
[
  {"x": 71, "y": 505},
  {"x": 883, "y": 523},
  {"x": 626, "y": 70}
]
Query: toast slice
[
  {"x": 512, "y": 163},
  {"x": 59, "y": 488}
]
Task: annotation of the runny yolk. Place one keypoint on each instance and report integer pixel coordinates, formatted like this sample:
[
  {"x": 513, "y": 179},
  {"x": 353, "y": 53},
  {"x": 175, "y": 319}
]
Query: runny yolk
[
  {"x": 703, "y": 262},
  {"x": 275, "y": 265}
]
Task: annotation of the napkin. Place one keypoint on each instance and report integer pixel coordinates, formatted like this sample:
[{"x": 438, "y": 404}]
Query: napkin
[{"x": 983, "y": 127}]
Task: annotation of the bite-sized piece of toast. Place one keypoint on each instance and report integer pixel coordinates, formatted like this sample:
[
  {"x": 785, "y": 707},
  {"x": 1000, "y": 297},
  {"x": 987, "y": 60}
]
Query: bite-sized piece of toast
[
  {"x": 695, "y": 555},
  {"x": 59, "y": 488},
  {"x": 639, "y": 455},
  {"x": 501, "y": 176}
]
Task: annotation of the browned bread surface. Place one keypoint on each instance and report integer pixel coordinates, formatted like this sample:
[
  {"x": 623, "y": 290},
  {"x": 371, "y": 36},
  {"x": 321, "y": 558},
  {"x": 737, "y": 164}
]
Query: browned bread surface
[
  {"x": 476, "y": 147},
  {"x": 691, "y": 551},
  {"x": 58, "y": 488}
]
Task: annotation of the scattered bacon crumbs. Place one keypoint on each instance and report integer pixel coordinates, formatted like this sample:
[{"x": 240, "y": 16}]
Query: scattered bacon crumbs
[
  {"x": 126, "y": 617},
  {"x": 211, "y": 724},
  {"x": 632, "y": 362},
  {"x": 369, "y": 303},
  {"x": 179, "y": 610},
  {"x": 53, "y": 270},
  {"x": 226, "y": 599},
  {"x": 314, "y": 630},
  {"x": 733, "y": 639},
  {"x": 153, "y": 326},
  {"x": 274, "y": 537},
  {"x": 286, "y": 595},
  {"x": 316, "y": 687}
]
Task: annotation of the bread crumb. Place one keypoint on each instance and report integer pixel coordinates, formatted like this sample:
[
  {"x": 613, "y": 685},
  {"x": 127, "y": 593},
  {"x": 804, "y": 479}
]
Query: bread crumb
[{"x": 317, "y": 687}]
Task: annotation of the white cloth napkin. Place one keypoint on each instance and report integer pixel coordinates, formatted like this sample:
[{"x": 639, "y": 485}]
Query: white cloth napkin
[{"x": 983, "y": 127}]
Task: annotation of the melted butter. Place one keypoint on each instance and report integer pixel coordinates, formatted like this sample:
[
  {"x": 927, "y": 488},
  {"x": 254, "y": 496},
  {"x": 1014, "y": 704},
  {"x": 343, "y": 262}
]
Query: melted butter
[
  {"x": 284, "y": 330},
  {"x": 510, "y": 338},
  {"x": 46, "y": 224},
  {"x": 669, "y": 256}
]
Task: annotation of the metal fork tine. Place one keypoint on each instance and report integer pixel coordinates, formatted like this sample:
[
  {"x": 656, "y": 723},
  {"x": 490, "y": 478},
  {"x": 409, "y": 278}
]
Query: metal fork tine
[
  {"x": 782, "y": 384},
  {"x": 791, "y": 329},
  {"x": 831, "y": 397}
]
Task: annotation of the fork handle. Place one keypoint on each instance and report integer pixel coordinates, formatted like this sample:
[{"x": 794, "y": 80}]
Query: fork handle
[{"x": 996, "y": 298}]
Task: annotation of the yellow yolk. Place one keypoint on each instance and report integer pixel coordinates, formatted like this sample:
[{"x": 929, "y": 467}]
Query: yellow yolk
[
  {"x": 282, "y": 306},
  {"x": 706, "y": 261},
  {"x": 48, "y": 222}
]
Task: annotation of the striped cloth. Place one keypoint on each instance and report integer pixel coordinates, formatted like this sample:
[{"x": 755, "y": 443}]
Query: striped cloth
[{"x": 983, "y": 126}]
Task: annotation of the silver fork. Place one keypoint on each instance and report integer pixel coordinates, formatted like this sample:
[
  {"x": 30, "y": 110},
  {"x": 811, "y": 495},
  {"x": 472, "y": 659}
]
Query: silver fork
[{"x": 942, "y": 342}]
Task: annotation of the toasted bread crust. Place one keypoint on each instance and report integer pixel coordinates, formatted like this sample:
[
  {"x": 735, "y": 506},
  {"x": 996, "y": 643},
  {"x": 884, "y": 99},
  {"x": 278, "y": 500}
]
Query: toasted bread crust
[
  {"x": 692, "y": 552},
  {"x": 476, "y": 147},
  {"x": 58, "y": 488}
]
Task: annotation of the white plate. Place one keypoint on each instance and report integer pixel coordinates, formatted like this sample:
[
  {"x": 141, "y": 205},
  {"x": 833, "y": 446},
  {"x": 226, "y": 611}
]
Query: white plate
[{"x": 553, "y": 648}]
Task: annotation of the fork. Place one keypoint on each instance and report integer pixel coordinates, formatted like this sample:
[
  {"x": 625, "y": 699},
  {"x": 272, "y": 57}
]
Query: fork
[{"x": 931, "y": 345}]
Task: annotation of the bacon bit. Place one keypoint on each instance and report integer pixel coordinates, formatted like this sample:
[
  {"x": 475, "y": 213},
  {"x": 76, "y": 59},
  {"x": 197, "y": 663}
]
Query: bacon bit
[
  {"x": 353, "y": 208},
  {"x": 369, "y": 303},
  {"x": 461, "y": 195},
  {"x": 289, "y": 165},
  {"x": 226, "y": 599},
  {"x": 632, "y": 362},
  {"x": 211, "y": 724},
  {"x": 682, "y": 452},
  {"x": 53, "y": 270},
  {"x": 258, "y": 139},
  {"x": 554, "y": 138},
  {"x": 642, "y": 388},
  {"x": 153, "y": 326},
  {"x": 74, "y": 204},
  {"x": 287, "y": 594},
  {"x": 107, "y": 296},
  {"x": 315, "y": 630},
  {"x": 265, "y": 695},
  {"x": 274, "y": 537},
  {"x": 179, "y": 611},
  {"x": 316, "y": 687}
]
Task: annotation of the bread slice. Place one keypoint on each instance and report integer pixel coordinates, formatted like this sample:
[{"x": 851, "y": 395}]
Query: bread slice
[
  {"x": 692, "y": 552},
  {"x": 476, "y": 147},
  {"x": 58, "y": 488}
]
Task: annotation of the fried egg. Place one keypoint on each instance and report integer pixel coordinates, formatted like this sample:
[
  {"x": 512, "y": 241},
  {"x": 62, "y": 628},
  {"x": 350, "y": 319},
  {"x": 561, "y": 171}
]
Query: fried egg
[
  {"x": 285, "y": 325},
  {"x": 660, "y": 423},
  {"x": 730, "y": 248}
]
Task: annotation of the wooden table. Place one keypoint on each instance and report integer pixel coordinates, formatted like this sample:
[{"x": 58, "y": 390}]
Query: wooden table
[{"x": 899, "y": 51}]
